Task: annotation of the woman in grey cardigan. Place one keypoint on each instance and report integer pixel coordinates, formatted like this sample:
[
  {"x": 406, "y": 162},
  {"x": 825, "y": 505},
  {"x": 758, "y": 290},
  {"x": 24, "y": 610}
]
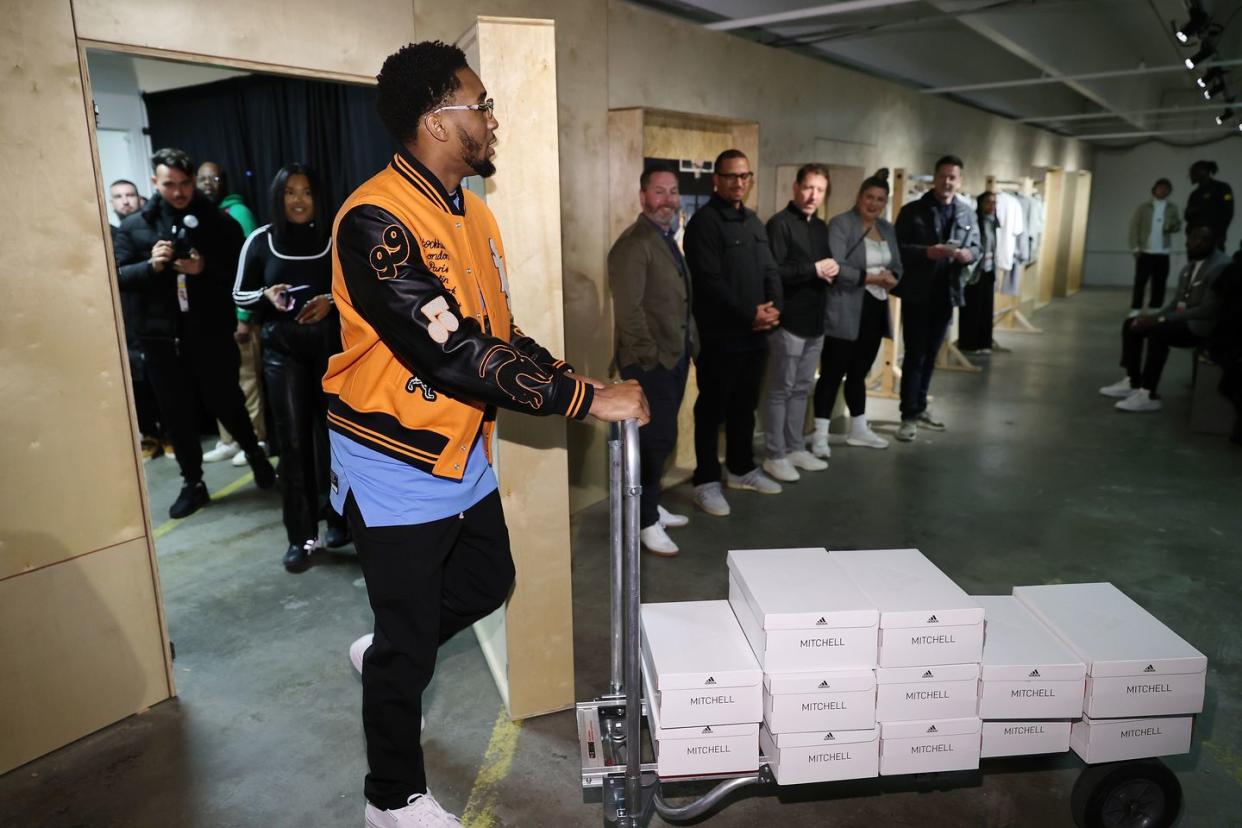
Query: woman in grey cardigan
[{"x": 865, "y": 247}]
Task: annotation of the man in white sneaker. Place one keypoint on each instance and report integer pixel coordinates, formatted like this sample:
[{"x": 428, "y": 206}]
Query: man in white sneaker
[
  {"x": 1185, "y": 323},
  {"x": 737, "y": 296},
  {"x": 799, "y": 241},
  {"x": 655, "y": 333}
]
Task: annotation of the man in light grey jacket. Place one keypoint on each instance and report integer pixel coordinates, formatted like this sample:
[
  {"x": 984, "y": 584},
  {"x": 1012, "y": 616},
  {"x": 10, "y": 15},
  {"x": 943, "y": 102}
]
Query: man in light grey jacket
[
  {"x": 655, "y": 335},
  {"x": 1151, "y": 227},
  {"x": 1186, "y": 322}
]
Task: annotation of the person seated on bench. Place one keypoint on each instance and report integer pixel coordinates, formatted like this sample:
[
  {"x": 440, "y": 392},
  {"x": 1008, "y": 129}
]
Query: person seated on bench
[
  {"x": 1225, "y": 344},
  {"x": 1186, "y": 322}
]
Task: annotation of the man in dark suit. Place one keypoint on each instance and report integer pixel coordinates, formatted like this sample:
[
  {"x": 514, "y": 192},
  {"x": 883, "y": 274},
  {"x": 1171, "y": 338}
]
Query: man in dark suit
[
  {"x": 938, "y": 240},
  {"x": 655, "y": 335}
]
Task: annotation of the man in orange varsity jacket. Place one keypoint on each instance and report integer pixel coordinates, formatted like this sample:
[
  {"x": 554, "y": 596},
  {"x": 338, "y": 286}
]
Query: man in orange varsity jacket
[{"x": 430, "y": 352}]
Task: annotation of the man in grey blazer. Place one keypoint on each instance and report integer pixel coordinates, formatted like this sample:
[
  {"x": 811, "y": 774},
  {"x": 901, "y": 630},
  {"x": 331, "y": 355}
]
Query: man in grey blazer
[
  {"x": 655, "y": 335},
  {"x": 1186, "y": 322}
]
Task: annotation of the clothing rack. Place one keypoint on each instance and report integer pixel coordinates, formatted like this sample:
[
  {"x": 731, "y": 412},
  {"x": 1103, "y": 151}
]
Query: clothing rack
[{"x": 1008, "y": 316}]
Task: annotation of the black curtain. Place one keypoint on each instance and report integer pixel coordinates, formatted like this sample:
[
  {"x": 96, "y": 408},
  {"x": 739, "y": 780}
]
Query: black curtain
[{"x": 252, "y": 126}]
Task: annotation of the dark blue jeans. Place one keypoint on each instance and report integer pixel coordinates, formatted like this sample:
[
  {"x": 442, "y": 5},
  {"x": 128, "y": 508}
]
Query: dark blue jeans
[
  {"x": 923, "y": 328},
  {"x": 664, "y": 388}
]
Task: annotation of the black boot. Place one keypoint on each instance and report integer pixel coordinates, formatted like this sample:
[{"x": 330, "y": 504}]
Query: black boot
[
  {"x": 297, "y": 556},
  {"x": 264, "y": 474},
  {"x": 337, "y": 536},
  {"x": 192, "y": 498}
]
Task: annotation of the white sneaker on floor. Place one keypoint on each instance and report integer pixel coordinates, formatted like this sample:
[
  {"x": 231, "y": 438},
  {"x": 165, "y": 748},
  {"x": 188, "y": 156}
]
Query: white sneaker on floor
[
  {"x": 358, "y": 649},
  {"x": 753, "y": 481},
  {"x": 222, "y": 451},
  {"x": 422, "y": 812},
  {"x": 776, "y": 468},
  {"x": 907, "y": 431},
  {"x": 1120, "y": 389},
  {"x": 671, "y": 521},
  {"x": 240, "y": 458},
  {"x": 866, "y": 438},
  {"x": 710, "y": 498},
  {"x": 806, "y": 461},
  {"x": 1140, "y": 400},
  {"x": 657, "y": 542},
  {"x": 820, "y": 446}
]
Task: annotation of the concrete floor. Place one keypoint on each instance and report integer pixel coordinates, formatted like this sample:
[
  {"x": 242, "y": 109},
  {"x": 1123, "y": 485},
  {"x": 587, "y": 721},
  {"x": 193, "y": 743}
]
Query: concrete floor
[{"x": 1038, "y": 480}]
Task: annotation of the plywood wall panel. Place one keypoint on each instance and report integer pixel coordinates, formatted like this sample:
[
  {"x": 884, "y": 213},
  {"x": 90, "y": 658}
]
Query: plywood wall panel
[{"x": 82, "y": 648}]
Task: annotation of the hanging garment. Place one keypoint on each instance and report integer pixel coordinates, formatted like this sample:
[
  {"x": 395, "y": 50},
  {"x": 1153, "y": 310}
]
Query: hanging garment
[
  {"x": 1012, "y": 226},
  {"x": 1033, "y": 212}
]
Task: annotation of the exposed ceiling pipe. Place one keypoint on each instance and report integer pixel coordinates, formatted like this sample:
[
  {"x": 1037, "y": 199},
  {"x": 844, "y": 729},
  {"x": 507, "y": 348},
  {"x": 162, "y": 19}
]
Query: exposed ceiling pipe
[{"x": 844, "y": 7}]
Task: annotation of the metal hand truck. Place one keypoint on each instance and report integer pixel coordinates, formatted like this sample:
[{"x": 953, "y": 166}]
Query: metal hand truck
[{"x": 617, "y": 755}]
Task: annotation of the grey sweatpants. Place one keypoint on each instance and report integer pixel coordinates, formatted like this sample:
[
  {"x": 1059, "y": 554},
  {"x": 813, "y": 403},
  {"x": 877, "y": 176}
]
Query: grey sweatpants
[{"x": 792, "y": 361}]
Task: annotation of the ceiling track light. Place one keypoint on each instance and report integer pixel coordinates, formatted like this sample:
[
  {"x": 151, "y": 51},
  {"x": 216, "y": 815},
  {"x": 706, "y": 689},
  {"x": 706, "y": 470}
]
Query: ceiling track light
[
  {"x": 1227, "y": 115},
  {"x": 1213, "y": 74},
  {"x": 1216, "y": 87},
  {"x": 1198, "y": 23}
]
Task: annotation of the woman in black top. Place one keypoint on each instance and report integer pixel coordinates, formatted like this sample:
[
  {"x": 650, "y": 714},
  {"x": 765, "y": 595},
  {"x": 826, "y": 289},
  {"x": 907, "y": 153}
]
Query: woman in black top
[{"x": 285, "y": 278}]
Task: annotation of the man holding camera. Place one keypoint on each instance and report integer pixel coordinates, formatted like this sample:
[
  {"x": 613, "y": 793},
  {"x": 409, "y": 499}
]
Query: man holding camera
[{"x": 179, "y": 254}]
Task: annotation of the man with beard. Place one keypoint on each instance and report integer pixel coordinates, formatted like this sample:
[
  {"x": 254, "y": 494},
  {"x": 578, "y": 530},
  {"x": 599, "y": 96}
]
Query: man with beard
[
  {"x": 178, "y": 254},
  {"x": 430, "y": 352},
  {"x": 213, "y": 182},
  {"x": 125, "y": 200}
]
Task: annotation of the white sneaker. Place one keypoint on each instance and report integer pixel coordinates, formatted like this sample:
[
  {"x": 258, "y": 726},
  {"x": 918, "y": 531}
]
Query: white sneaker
[
  {"x": 240, "y": 458},
  {"x": 709, "y": 498},
  {"x": 1120, "y": 389},
  {"x": 657, "y": 542},
  {"x": 753, "y": 481},
  {"x": 866, "y": 438},
  {"x": 671, "y": 521},
  {"x": 1140, "y": 400},
  {"x": 907, "y": 431},
  {"x": 806, "y": 461},
  {"x": 422, "y": 812},
  {"x": 222, "y": 451},
  {"x": 778, "y": 468},
  {"x": 820, "y": 446},
  {"x": 358, "y": 649}
]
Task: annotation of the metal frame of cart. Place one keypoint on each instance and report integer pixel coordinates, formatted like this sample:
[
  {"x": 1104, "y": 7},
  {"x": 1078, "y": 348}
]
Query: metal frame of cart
[{"x": 1142, "y": 793}]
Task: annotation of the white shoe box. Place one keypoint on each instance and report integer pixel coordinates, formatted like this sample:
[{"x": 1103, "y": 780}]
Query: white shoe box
[
  {"x": 1115, "y": 740},
  {"x": 947, "y": 691},
  {"x": 929, "y": 746},
  {"x": 925, "y": 618},
  {"x": 799, "y": 758},
  {"x": 1136, "y": 666},
  {"x": 1028, "y": 672},
  {"x": 1014, "y": 738},
  {"x": 703, "y": 672},
  {"x": 800, "y": 612},
  {"x": 701, "y": 750},
  {"x": 821, "y": 701}
]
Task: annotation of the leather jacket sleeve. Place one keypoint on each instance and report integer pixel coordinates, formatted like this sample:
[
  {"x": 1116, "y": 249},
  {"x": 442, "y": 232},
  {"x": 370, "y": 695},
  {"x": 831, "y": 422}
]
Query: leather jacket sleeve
[
  {"x": 422, "y": 324},
  {"x": 133, "y": 264}
]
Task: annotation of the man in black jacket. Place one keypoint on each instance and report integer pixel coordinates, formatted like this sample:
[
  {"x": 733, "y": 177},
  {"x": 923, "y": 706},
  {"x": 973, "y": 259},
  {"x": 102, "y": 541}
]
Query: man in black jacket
[
  {"x": 737, "y": 293},
  {"x": 799, "y": 241},
  {"x": 1211, "y": 202},
  {"x": 938, "y": 240},
  {"x": 179, "y": 255}
]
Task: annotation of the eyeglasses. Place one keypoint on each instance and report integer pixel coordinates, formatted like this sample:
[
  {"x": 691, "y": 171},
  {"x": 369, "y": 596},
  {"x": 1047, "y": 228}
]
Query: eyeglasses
[
  {"x": 746, "y": 176},
  {"x": 214, "y": 179},
  {"x": 487, "y": 108}
]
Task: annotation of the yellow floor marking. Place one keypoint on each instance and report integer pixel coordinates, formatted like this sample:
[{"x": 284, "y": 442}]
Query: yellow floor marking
[
  {"x": 167, "y": 526},
  {"x": 480, "y": 808},
  {"x": 1227, "y": 760}
]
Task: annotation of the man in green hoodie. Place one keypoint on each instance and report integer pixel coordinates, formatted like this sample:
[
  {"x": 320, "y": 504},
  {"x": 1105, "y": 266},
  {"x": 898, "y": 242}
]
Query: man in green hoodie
[{"x": 213, "y": 182}]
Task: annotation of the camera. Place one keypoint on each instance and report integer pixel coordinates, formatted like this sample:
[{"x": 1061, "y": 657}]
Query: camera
[{"x": 180, "y": 237}]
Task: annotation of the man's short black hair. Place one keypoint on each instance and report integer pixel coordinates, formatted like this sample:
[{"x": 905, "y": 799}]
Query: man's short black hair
[
  {"x": 414, "y": 80},
  {"x": 1166, "y": 183},
  {"x": 653, "y": 168},
  {"x": 812, "y": 169},
  {"x": 174, "y": 159},
  {"x": 123, "y": 181},
  {"x": 728, "y": 154},
  {"x": 948, "y": 159}
]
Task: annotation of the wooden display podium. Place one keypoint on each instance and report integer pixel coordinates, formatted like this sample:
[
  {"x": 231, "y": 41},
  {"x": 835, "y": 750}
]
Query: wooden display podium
[{"x": 529, "y": 643}]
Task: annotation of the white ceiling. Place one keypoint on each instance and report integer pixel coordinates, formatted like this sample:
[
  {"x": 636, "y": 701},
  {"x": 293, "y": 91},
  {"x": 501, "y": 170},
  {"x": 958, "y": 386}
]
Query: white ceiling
[{"x": 934, "y": 44}]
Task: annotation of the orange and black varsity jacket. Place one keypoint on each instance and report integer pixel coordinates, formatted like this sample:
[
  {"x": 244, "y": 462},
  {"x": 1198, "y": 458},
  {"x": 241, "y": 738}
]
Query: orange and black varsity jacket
[{"x": 430, "y": 346}]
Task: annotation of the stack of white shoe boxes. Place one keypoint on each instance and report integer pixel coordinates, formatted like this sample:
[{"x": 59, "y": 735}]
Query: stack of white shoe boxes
[
  {"x": 1032, "y": 683},
  {"x": 931, "y": 643},
  {"x": 1144, "y": 682},
  {"x": 704, "y": 689},
  {"x": 815, "y": 635}
]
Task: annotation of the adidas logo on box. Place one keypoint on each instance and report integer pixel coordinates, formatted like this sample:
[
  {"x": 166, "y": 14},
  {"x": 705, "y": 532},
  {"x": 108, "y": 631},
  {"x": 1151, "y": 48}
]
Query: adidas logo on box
[
  {"x": 707, "y": 730},
  {"x": 823, "y": 685},
  {"x": 928, "y": 674},
  {"x": 830, "y": 738},
  {"x": 1033, "y": 674},
  {"x": 710, "y": 681},
  {"x": 932, "y": 729},
  {"x": 1151, "y": 668},
  {"x": 822, "y": 621},
  {"x": 933, "y": 620}
]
